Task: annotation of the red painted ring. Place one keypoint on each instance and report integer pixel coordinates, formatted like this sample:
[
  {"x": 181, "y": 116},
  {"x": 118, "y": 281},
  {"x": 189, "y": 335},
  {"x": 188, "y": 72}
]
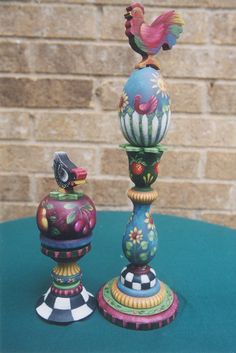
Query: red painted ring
[{"x": 137, "y": 322}]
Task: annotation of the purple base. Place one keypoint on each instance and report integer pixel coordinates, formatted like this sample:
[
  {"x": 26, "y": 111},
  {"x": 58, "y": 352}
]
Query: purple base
[{"x": 137, "y": 322}]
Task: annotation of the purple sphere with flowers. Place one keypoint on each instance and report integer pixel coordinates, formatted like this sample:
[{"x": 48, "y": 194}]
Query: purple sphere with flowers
[{"x": 63, "y": 220}]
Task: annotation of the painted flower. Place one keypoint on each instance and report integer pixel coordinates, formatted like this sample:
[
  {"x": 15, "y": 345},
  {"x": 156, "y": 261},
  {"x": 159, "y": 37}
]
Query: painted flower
[
  {"x": 160, "y": 85},
  {"x": 124, "y": 101},
  {"x": 149, "y": 221},
  {"x": 136, "y": 235},
  {"x": 153, "y": 251}
]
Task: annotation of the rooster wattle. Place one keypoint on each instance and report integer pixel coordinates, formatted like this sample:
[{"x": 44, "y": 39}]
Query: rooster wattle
[{"x": 147, "y": 40}]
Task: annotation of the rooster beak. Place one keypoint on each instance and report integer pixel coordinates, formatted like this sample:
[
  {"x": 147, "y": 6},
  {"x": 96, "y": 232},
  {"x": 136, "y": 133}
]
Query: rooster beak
[{"x": 128, "y": 16}]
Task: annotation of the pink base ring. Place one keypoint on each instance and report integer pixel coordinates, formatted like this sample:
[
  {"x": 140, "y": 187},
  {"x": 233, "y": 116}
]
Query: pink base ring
[{"x": 137, "y": 322}]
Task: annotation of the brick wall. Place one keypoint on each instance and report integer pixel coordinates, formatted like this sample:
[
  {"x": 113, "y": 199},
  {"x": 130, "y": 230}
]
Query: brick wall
[{"x": 62, "y": 67}]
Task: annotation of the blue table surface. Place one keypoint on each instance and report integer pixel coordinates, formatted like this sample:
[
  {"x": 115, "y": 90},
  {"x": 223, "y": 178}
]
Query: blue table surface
[{"x": 196, "y": 259}]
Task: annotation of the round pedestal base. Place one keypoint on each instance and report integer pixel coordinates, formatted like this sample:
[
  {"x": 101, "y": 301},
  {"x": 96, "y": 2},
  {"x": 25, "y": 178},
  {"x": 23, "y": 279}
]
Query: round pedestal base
[
  {"x": 137, "y": 319},
  {"x": 65, "y": 310}
]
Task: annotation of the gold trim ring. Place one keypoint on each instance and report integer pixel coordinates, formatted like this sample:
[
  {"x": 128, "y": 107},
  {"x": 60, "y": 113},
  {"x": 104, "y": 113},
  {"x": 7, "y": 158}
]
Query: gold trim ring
[
  {"x": 138, "y": 302},
  {"x": 142, "y": 196}
]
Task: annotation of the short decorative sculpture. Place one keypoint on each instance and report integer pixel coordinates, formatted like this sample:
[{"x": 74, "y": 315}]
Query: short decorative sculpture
[
  {"x": 137, "y": 299},
  {"x": 66, "y": 219}
]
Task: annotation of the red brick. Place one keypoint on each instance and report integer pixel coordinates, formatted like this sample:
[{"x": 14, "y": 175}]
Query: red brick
[
  {"x": 187, "y": 96},
  {"x": 161, "y": 3},
  {"x": 222, "y": 97},
  {"x": 221, "y": 165},
  {"x": 14, "y": 125},
  {"x": 192, "y": 195},
  {"x": 179, "y": 164},
  {"x": 109, "y": 93},
  {"x": 14, "y": 57},
  {"x": 91, "y": 127},
  {"x": 204, "y": 63},
  {"x": 15, "y": 188},
  {"x": 34, "y": 158},
  {"x": 48, "y": 21},
  {"x": 222, "y": 4},
  {"x": 11, "y": 210},
  {"x": 114, "y": 161},
  {"x": 43, "y": 186},
  {"x": 107, "y": 192},
  {"x": 207, "y": 132},
  {"x": 45, "y": 93},
  {"x": 224, "y": 27},
  {"x": 119, "y": 59},
  {"x": 99, "y": 59}
]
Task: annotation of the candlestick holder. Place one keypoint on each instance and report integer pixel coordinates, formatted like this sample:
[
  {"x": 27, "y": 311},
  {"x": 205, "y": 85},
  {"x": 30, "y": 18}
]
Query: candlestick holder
[
  {"x": 137, "y": 299},
  {"x": 66, "y": 219}
]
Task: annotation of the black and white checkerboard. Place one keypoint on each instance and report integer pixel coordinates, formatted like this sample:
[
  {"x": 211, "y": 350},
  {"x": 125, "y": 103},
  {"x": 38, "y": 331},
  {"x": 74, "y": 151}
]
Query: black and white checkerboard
[
  {"x": 64, "y": 310},
  {"x": 137, "y": 281}
]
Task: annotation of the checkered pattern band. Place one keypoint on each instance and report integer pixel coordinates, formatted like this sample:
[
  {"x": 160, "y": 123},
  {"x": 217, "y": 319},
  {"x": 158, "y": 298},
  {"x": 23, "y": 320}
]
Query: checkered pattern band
[
  {"x": 64, "y": 310},
  {"x": 138, "y": 281}
]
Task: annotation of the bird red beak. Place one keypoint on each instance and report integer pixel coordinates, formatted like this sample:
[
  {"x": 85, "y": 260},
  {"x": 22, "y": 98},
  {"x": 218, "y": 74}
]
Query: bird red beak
[{"x": 80, "y": 175}]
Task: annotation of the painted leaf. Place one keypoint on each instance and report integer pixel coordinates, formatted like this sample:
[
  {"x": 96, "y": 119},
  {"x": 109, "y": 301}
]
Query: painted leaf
[
  {"x": 130, "y": 111},
  {"x": 143, "y": 256},
  {"x": 128, "y": 253},
  {"x": 71, "y": 216},
  {"x": 153, "y": 251},
  {"x": 144, "y": 245},
  {"x": 69, "y": 206},
  {"x": 87, "y": 207},
  {"x": 55, "y": 231},
  {"x": 49, "y": 206},
  {"x": 151, "y": 235},
  {"x": 128, "y": 245}
]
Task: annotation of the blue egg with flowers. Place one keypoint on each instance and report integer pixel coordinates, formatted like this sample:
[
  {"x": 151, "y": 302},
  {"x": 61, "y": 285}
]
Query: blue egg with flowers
[{"x": 144, "y": 108}]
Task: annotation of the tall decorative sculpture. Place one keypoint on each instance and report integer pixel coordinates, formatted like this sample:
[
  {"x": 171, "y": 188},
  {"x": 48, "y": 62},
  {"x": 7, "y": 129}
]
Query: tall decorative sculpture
[
  {"x": 66, "y": 219},
  {"x": 137, "y": 299}
]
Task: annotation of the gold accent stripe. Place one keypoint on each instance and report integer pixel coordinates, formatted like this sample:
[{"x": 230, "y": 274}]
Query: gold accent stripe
[
  {"x": 138, "y": 302},
  {"x": 141, "y": 196},
  {"x": 66, "y": 269}
]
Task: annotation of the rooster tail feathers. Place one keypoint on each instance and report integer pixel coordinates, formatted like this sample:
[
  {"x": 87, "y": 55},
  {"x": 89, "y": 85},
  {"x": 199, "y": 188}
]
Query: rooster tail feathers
[
  {"x": 177, "y": 19},
  {"x": 175, "y": 28},
  {"x": 170, "y": 40}
]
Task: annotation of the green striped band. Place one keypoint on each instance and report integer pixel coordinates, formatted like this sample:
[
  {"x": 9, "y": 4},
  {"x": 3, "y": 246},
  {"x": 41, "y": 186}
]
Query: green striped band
[{"x": 66, "y": 286}]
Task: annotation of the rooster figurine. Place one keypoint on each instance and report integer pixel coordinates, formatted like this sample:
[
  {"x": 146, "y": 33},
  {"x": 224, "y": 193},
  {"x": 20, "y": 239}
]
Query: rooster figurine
[{"x": 148, "y": 40}]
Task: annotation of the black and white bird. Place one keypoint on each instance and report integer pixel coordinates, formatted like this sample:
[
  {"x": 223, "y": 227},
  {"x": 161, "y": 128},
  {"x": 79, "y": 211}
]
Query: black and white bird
[{"x": 67, "y": 174}]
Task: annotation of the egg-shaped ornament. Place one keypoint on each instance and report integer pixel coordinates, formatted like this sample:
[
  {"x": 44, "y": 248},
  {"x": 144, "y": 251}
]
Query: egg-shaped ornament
[{"x": 144, "y": 108}]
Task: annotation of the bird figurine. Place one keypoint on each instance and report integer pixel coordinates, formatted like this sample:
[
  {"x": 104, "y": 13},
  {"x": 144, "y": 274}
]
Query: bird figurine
[
  {"x": 66, "y": 173},
  {"x": 148, "y": 40}
]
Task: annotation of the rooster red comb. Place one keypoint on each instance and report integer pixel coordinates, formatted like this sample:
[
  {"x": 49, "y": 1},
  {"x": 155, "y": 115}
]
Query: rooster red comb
[{"x": 133, "y": 5}]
